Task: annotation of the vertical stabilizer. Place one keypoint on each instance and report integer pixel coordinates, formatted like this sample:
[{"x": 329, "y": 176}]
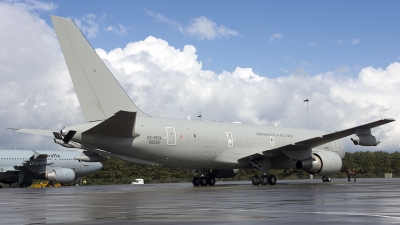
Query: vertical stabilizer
[{"x": 99, "y": 93}]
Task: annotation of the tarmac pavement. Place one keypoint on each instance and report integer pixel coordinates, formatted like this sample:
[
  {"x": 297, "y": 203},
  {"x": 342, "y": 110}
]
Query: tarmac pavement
[{"x": 367, "y": 201}]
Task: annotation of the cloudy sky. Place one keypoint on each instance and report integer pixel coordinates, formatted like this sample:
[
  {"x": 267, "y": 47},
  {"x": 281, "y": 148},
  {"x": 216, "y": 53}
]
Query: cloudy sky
[{"x": 253, "y": 62}]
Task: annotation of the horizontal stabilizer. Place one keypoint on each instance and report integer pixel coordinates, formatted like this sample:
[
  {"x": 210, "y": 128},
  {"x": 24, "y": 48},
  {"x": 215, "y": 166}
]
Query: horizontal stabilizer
[
  {"x": 48, "y": 133},
  {"x": 122, "y": 124}
]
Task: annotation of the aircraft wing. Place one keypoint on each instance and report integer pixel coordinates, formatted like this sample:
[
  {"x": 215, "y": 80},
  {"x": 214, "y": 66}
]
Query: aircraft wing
[
  {"x": 48, "y": 133},
  {"x": 302, "y": 149},
  {"x": 317, "y": 141},
  {"x": 37, "y": 159}
]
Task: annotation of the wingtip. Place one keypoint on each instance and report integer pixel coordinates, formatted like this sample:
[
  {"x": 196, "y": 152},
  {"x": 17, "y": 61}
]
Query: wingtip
[{"x": 389, "y": 119}]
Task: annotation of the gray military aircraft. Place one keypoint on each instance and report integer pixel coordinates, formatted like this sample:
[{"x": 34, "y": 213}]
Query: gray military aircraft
[
  {"x": 19, "y": 167},
  {"x": 116, "y": 126}
]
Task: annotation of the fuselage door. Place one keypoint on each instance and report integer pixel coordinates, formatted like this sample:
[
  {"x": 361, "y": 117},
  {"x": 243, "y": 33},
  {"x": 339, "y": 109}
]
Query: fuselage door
[
  {"x": 229, "y": 139},
  {"x": 171, "y": 136}
]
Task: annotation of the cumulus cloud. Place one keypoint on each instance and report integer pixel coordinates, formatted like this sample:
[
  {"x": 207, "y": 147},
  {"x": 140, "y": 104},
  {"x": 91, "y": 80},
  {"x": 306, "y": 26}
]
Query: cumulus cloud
[
  {"x": 158, "y": 76},
  {"x": 36, "y": 91},
  {"x": 33, "y": 77},
  {"x": 274, "y": 37},
  {"x": 200, "y": 27}
]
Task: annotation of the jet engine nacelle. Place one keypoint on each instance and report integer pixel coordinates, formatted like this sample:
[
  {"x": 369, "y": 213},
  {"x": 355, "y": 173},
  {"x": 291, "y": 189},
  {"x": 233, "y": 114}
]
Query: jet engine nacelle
[
  {"x": 60, "y": 175},
  {"x": 365, "y": 140},
  {"x": 324, "y": 163}
]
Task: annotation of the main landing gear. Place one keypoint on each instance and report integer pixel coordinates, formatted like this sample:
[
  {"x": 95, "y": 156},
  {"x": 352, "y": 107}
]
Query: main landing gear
[
  {"x": 203, "y": 181},
  {"x": 264, "y": 180},
  {"x": 262, "y": 164}
]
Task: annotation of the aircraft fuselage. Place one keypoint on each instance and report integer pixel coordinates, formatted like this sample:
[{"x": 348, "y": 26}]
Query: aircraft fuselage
[{"x": 193, "y": 144}]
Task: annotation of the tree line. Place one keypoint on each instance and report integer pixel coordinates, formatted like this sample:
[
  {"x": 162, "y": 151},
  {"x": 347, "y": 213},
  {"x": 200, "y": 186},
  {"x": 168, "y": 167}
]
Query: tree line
[{"x": 367, "y": 164}]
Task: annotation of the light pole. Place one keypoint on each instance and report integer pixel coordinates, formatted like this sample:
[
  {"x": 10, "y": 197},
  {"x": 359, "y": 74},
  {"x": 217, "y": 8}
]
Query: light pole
[{"x": 306, "y": 100}]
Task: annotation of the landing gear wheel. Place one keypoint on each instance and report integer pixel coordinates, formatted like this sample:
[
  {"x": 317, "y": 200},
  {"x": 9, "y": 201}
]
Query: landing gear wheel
[
  {"x": 211, "y": 181},
  {"x": 271, "y": 179},
  {"x": 324, "y": 179},
  {"x": 203, "y": 181},
  {"x": 255, "y": 180},
  {"x": 264, "y": 180},
  {"x": 328, "y": 179},
  {"x": 196, "y": 181}
]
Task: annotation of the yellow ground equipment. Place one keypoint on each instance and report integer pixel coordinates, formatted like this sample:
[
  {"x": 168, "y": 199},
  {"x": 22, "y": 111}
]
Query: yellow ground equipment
[{"x": 44, "y": 184}]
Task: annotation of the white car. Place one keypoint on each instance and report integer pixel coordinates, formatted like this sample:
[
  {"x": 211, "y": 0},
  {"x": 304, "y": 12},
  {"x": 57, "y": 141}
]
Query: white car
[{"x": 138, "y": 181}]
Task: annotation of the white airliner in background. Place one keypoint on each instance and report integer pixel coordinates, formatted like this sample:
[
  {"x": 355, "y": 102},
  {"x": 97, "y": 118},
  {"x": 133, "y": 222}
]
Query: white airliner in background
[
  {"x": 116, "y": 126},
  {"x": 19, "y": 167}
]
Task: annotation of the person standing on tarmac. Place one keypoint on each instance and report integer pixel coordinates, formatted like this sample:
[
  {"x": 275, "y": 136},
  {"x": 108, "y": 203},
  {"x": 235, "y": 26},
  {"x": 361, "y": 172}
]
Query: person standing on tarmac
[
  {"x": 348, "y": 175},
  {"x": 354, "y": 174}
]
